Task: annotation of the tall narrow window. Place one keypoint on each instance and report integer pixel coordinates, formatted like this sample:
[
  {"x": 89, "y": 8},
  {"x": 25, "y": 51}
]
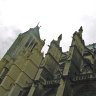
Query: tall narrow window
[
  {"x": 3, "y": 73},
  {"x": 24, "y": 91},
  {"x": 31, "y": 43},
  {"x": 28, "y": 42}
]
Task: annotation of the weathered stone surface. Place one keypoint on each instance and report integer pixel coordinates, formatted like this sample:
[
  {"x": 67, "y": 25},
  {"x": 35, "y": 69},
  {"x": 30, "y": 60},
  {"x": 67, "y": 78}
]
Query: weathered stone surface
[{"x": 25, "y": 72}]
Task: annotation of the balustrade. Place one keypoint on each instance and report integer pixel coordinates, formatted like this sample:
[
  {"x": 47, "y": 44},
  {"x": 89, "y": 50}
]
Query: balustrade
[{"x": 88, "y": 76}]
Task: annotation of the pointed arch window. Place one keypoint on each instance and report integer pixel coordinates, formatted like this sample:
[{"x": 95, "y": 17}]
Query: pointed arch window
[{"x": 27, "y": 43}]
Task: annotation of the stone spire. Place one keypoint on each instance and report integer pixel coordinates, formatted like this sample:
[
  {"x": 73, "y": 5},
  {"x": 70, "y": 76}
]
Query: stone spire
[{"x": 80, "y": 31}]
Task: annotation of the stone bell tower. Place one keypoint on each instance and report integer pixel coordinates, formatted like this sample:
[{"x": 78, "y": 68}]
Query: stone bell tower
[{"x": 20, "y": 64}]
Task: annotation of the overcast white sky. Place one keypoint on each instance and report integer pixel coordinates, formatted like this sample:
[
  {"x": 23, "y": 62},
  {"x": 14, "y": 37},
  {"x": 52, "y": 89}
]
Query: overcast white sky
[{"x": 55, "y": 17}]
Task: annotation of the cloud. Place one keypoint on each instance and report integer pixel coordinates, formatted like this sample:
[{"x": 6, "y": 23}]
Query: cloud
[
  {"x": 7, "y": 37},
  {"x": 89, "y": 26},
  {"x": 55, "y": 16}
]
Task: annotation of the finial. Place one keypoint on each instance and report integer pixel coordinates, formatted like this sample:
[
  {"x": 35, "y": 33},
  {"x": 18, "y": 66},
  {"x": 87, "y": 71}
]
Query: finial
[
  {"x": 38, "y": 26},
  {"x": 81, "y": 29},
  {"x": 44, "y": 40},
  {"x": 59, "y": 38},
  {"x": 38, "y": 23}
]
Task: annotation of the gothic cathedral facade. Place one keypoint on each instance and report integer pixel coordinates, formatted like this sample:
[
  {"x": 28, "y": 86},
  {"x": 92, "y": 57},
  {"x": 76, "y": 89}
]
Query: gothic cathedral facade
[{"x": 25, "y": 71}]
